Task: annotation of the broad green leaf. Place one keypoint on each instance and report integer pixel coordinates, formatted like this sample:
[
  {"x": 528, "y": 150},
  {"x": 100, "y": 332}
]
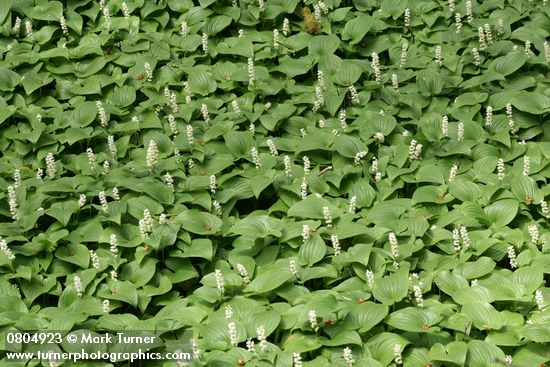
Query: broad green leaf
[
  {"x": 483, "y": 354},
  {"x": 258, "y": 227},
  {"x": 429, "y": 82},
  {"x": 483, "y": 315},
  {"x": 506, "y": 65},
  {"x": 357, "y": 28},
  {"x": 453, "y": 352},
  {"x": 391, "y": 289},
  {"x": 312, "y": 251},
  {"x": 268, "y": 281},
  {"x": 62, "y": 211},
  {"x": 501, "y": 212},
  {"x": 413, "y": 319},
  {"x": 366, "y": 315},
  {"x": 77, "y": 254},
  {"x": 199, "y": 222},
  {"x": 323, "y": 45}
]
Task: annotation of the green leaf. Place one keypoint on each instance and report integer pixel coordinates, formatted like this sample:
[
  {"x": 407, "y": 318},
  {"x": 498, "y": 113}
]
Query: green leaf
[
  {"x": 5, "y": 7},
  {"x": 123, "y": 291},
  {"x": 348, "y": 75},
  {"x": 123, "y": 96},
  {"x": 483, "y": 315},
  {"x": 483, "y": 354},
  {"x": 429, "y": 82},
  {"x": 525, "y": 189},
  {"x": 453, "y": 352},
  {"x": 50, "y": 10},
  {"x": 199, "y": 222},
  {"x": 476, "y": 269},
  {"x": 392, "y": 288},
  {"x": 239, "y": 143},
  {"x": 531, "y": 277},
  {"x": 508, "y": 64},
  {"x": 201, "y": 81},
  {"x": 216, "y": 24},
  {"x": 77, "y": 254},
  {"x": 62, "y": 211},
  {"x": 413, "y": 319},
  {"x": 357, "y": 28},
  {"x": 323, "y": 45},
  {"x": 258, "y": 227},
  {"x": 8, "y": 79},
  {"x": 348, "y": 146},
  {"x": 312, "y": 208},
  {"x": 312, "y": 251},
  {"x": 268, "y": 281},
  {"x": 84, "y": 114},
  {"x": 531, "y": 102},
  {"x": 502, "y": 212},
  {"x": 366, "y": 315}
]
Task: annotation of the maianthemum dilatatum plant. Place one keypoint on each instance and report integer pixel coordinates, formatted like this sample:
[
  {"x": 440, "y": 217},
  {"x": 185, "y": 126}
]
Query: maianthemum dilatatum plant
[{"x": 296, "y": 183}]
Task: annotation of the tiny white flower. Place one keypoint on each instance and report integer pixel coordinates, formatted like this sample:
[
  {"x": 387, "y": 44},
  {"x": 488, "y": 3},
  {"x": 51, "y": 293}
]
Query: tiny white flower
[
  {"x": 114, "y": 275},
  {"x": 228, "y": 311},
  {"x": 465, "y": 237},
  {"x": 526, "y": 165},
  {"x": 106, "y": 306},
  {"x": 286, "y": 27},
  {"x": 28, "y": 28},
  {"x": 288, "y": 167},
  {"x": 418, "y": 295},
  {"x": 488, "y": 34},
  {"x": 477, "y": 57},
  {"x": 260, "y": 330},
  {"x": 456, "y": 240},
  {"x": 303, "y": 188},
  {"x": 395, "y": 81},
  {"x": 353, "y": 94},
  {"x": 276, "y": 39},
  {"x": 348, "y": 356},
  {"x": 375, "y": 64},
  {"x": 512, "y": 257},
  {"x": 125, "y": 10},
  {"x": 256, "y": 157},
  {"x": 205, "y": 43},
  {"x": 452, "y": 173},
  {"x": 313, "y": 320},
  {"x": 293, "y": 268},
  {"x": 107, "y": 17},
  {"x": 113, "y": 241},
  {"x": 78, "y": 286},
  {"x": 438, "y": 59},
  {"x": 205, "y": 113},
  {"x": 407, "y": 17},
  {"x": 233, "y": 338},
  {"x": 17, "y": 27},
  {"x": 251, "y": 73},
  {"x": 359, "y": 157},
  {"x": 481, "y": 38},
  {"x": 217, "y": 208},
  {"x": 220, "y": 283},
  {"x": 533, "y": 233},
  {"x": 169, "y": 181},
  {"x": 403, "y": 58},
  {"x": 6, "y": 250},
  {"x": 307, "y": 165},
  {"x": 91, "y": 157},
  {"x": 327, "y": 216},
  {"x": 460, "y": 135},
  {"x": 184, "y": 29},
  {"x": 95, "y": 260},
  {"x": 244, "y": 273},
  {"x": 241, "y": 33},
  {"x": 500, "y": 169},
  {"x": 81, "y": 200},
  {"x": 102, "y": 113},
  {"x": 458, "y": 22},
  {"x": 469, "y": 13},
  {"x": 445, "y": 126},
  {"x": 335, "y": 243},
  {"x": 539, "y": 299},
  {"x": 352, "y": 204},
  {"x": 148, "y": 71},
  {"x": 305, "y": 232},
  {"x": 112, "y": 146},
  {"x": 152, "y": 154},
  {"x": 489, "y": 116},
  {"x": 63, "y": 24},
  {"x": 235, "y": 106},
  {"x": 272, "y": 148},
  {"x": 103, "y": 201},
  {"x": 370, "y": 278},
  {"x": 397, "y": 356}
]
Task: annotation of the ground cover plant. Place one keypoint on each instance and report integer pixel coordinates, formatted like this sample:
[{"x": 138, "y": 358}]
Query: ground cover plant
[{"x": 332, "y": 183}]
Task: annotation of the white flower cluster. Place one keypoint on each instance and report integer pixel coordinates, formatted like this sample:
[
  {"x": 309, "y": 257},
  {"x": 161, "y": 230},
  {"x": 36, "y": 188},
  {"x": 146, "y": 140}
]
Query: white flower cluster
[
  {"x": 63, "y": 24},
  {"x": 293, "y": 268},
  {"x": 297, "y": 360},
  {"x": 452, "y": 173},
  {"x": 113, "y": 242},
  {"x": 148, "y": 71},
  {"x": 78, "y": 286},
  {"x": 169, "y": 181},
  {"x": 235, "y": 106},
  {"x": 260, "y": 330},
  {"x": 459, "y": 234},
  {"x": 205, "y": 43},
  {"x": 374, "y": 169},
  {"x": 81, "y": 200},
  {"x": 106, "y": 306},
  {"x": 91, "y": 158},
  {"x": 319, "y": 98},
  {"x": 233, "y": 337},
  {"x": 272, "y": 148},
  {"x": 460, "y": 133},
  {"x": 547, "y": 51},
  {"x": 244, "y": 273},
  {"x": 184, "y": 29},
  {"x": 213, "y": 184},
  {"x": 395, "y": 82},
  {"x": 205, "y": 113},
  {"x": 276, "y": 39},
  {"x": 335, "y": 244},
  {"x": 394, "y": 247},
  {"x": 217, "y": 207},
  {"x": 313, "y": 320},
  {"x": 489, "y": 116},
  {"x": 17, "y": 178},
  {"x": 512, "y": 257},
  {"x": 220, "y": 283},
  {"x": 544, "y": 209},
  {"x": 28, "y": 28},
  {"x": 353, "y": 94},
  {"x": 445, "y": 126},
  {"x": 115, "y": 194},
  {"x": 526, "y": 165},
  {"x": 370, "y": 278},
  {"x": 286, "y": 27},
  {"x": 288, "y": 167},
  {"x": 407, "y": 17},
  {"x": 16, "y": 30},
  {"x": 458, "y": 22},
  {"x": 375, "y": 64},
  {"x": 488, "y": 34},
  {"x": 327, "y": 216},
  {"x": 359, "y": 157},
  {"x": 477, "y": 57},
  {"x": 500, "y": 169},
  {"x": 307, "y": 165},
  {"x": 303, "y": 188},
  {"x": 250, "y": 346},
  {"x": 51, "y": 168},
  {"x": 125, "y": 10},
  {"x": 397, "y": 356},
  {"x": 173, "y": 125},
  {"x": 508, "y": 360},
  {"x": 39, "y": 173},
  {"x": 481, "y": 38},
  {"x": 228, "y": 311},
  {"x": 469, "y": 13},
  {"x": 255, "y": 157},
  {"x": 352, "y": 204},
  {"x": 112, "y": 146},
  {"x": 533, "y": 233},
  {"x": 95, "y": 260},
  {"x": 190, "y": 136},
  {"x": 152, "y": 154},
  {"x": 305, "y": 232},
  {"x": 102, "y": 114},
  {"x": 6, "y": 250},
  {"x": 162, "y": 219},
  {"x": 539, "y": 299},
  {"x": 103, "y": 201},
  {"x": 510, "y": 115},
  {"x": 241, "y": 33},
  {"x": 415, "y": 150},
  {"x": 348, "y": 356},
  {"x": 251, "y": 73},
  {"x": 451, "y": 5},
  {"x": 438, "y": 60},
  {"x": 114, "y": 275},
  {"x": 404, "y": 52},
  {"x": 146, "y": 224}
]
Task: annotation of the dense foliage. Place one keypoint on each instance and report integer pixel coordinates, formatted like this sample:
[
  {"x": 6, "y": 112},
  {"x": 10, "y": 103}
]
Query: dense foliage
[{"x": 360, "y": 183}]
